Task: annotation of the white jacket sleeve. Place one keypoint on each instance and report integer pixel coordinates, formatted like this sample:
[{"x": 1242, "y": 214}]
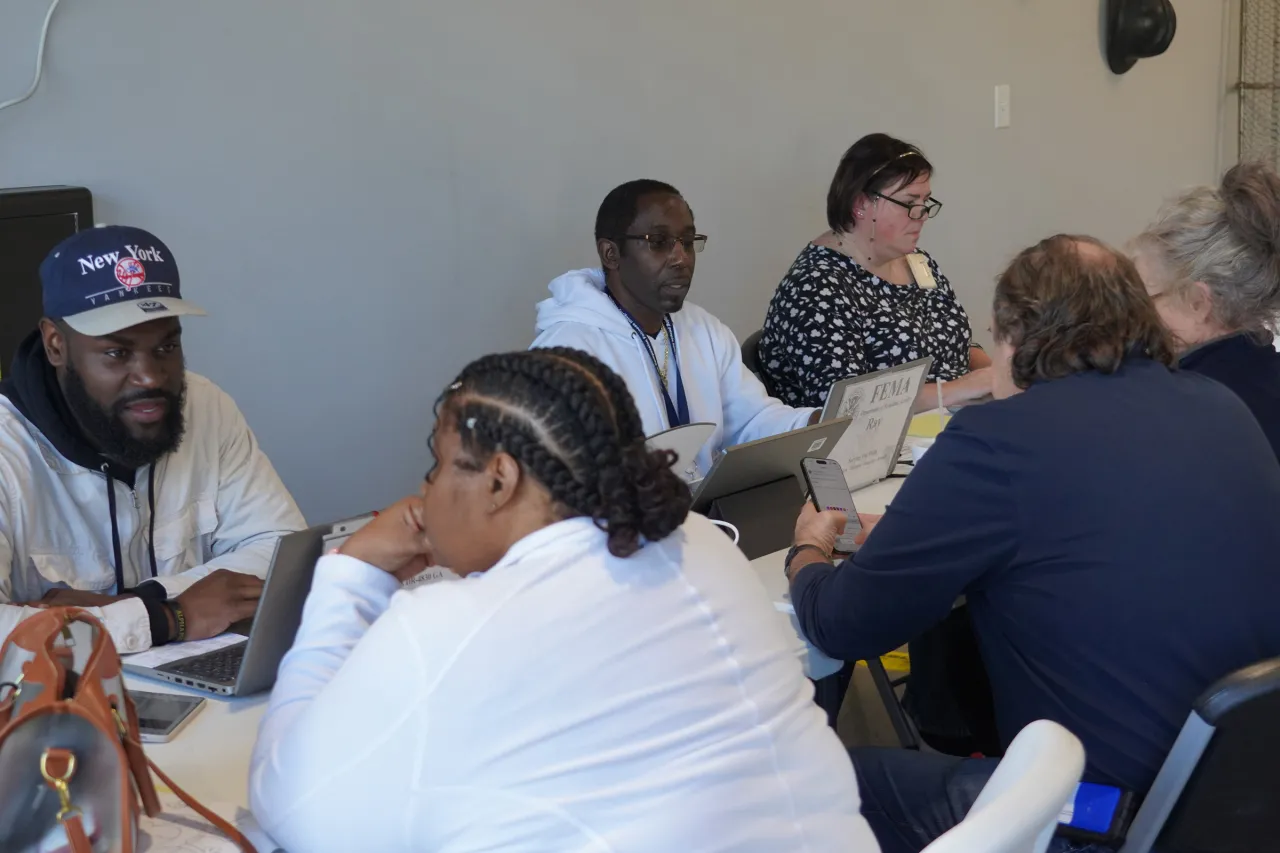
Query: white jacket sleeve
[
  {"x": 749, "y": 412},
  {"x": 338, "y": 738},
  {"x": 254, "y": 508},
  {"x": 125, "y": 620}
]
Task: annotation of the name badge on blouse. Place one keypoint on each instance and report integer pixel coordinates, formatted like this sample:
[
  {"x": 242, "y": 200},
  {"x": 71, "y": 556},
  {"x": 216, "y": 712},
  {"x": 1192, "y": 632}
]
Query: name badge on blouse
[{"x": 920, "y": 270}]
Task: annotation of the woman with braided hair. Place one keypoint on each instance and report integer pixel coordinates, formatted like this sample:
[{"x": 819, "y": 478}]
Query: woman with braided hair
[{"x": 608, "y": 675}]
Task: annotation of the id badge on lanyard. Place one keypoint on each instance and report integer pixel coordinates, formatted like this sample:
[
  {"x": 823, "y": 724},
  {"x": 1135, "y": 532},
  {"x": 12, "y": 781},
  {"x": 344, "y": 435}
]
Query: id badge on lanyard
[{"x": 677, "y": 409}]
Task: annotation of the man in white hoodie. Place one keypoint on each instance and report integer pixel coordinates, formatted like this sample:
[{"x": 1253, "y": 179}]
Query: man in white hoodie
[
  {"x": 681, "y": 363},
  {"x": 128, "y": 485}
]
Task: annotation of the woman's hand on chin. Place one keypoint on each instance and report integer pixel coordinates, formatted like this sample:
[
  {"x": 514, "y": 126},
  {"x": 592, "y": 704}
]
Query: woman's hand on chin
[{"x": 395, "y": 541}]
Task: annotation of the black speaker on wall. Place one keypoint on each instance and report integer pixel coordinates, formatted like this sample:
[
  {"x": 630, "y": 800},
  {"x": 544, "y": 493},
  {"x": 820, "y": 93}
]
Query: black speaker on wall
[
  {"x": 1137, "y": 29},
  {"x": 32, "y": 221}
]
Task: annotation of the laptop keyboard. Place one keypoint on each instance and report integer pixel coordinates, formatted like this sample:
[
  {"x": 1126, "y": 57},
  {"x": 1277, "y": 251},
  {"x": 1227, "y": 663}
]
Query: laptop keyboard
[{"x": 222, "y": 665}]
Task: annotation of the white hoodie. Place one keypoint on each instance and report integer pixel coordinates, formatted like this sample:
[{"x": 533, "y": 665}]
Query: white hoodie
[{"x": 717, "y": 384}]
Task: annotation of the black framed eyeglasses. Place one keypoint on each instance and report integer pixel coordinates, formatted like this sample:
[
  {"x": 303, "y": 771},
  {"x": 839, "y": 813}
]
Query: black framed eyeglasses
[
  {"x": 664, "y": 244},
  {"x": 916, "y": 210}
]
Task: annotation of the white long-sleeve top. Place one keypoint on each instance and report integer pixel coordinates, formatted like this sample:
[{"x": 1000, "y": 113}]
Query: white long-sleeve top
[
  {"x": 219, "y": 504},
  {"x": 719, "y": 387},
  {"x": 565, "y": 700}
]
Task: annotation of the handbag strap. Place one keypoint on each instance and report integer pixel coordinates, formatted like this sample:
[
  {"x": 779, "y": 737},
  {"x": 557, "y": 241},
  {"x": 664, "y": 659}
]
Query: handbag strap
[
  {"x": 77, "y": 840},
  {"x": 222, "y": 826},
  {"x": 133, "y": 745}
]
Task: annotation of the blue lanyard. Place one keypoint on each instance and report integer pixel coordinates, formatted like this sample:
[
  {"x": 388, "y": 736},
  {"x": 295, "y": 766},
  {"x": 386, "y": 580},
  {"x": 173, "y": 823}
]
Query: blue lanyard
[{"x": 678, "y": 411}]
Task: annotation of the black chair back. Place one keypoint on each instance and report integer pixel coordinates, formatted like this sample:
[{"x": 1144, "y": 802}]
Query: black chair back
[
  {"x": 751, "y": 353},
  {"x": 1219, "y": 789}
]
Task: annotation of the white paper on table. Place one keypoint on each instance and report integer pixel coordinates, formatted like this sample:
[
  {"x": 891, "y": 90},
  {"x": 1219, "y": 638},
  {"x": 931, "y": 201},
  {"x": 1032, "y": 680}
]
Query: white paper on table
[
  {"x": 686, "y": 442},
  {"x": 178, "y": 651},
  {"x": 179, "y": 829}
]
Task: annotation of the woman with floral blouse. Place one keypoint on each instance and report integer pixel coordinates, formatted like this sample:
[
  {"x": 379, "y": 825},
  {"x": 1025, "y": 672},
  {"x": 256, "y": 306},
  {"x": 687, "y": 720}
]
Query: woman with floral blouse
[{"x": 862, "y": 297}]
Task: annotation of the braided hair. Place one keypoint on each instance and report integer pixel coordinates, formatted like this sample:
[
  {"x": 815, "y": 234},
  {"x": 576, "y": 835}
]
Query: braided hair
[{"x": 571, "y": 424}]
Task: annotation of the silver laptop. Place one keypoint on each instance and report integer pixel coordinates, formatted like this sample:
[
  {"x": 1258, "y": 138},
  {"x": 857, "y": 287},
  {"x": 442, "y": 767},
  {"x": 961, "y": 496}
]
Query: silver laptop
[
  {"x": 250, "y": 666},
  {"x": 767, "y": 460}
]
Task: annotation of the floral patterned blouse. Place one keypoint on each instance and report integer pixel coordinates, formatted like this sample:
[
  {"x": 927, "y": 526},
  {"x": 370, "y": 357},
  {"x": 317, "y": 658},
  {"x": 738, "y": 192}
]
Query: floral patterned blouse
[{"x": 831, "y": 319}]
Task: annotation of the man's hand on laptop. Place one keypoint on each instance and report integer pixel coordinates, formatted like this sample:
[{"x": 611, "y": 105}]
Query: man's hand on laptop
[
  {"x": 213, "y": 603},
  {"x": 394, "y": 541}
]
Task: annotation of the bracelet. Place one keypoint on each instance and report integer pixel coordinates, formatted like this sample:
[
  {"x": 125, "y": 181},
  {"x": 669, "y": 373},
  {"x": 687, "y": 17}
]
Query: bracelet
[
  {"x": 795, "y": 550},
  {"x": 180, "y": 620}
]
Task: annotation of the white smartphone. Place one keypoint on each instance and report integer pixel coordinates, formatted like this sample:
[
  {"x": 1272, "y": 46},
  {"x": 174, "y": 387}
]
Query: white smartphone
[
  {"x": 828, "y": 489},
  {"x": 162, "y": 715}
]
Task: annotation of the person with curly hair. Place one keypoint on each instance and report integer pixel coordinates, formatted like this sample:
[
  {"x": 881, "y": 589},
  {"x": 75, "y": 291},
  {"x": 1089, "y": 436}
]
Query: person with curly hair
[{"x": 609, "y": 674}]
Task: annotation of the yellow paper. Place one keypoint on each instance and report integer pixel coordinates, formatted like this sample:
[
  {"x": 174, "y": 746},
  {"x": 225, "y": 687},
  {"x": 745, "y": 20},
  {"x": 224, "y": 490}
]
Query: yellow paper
[
  {"x": 927, "y": 425},
  {"x": 897, "y": 661}
]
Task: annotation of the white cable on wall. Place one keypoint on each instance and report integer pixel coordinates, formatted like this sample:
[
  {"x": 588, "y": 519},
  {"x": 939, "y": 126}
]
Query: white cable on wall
[{"x": 44, "y": 39}]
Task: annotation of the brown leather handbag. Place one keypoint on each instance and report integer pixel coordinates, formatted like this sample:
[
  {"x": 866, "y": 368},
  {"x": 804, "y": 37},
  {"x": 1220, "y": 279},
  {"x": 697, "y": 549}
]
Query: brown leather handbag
[{"x": 73, "y": 775}]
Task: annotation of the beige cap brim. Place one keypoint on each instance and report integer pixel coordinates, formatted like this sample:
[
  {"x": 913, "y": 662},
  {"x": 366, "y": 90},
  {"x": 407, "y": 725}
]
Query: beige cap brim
[{"x": 110, "y": 319}]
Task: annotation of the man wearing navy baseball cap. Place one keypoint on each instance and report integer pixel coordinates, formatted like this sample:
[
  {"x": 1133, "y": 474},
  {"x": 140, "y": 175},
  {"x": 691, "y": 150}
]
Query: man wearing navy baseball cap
[{"x": 127, "y": 484}]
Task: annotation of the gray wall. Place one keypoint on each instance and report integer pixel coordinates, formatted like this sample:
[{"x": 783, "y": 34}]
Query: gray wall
[{"x": 367, "y": 195}]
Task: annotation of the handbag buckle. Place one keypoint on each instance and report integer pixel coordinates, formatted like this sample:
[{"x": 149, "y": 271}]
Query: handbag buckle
[
  {"x": 60, "y": 782},
  {"x": 15, "y": 689}
]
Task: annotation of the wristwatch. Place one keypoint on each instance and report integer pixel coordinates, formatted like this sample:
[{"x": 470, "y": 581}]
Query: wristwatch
[{"x": 796, "y": 549}]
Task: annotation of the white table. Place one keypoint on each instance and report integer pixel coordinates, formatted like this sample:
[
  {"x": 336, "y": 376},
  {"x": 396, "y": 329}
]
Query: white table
[
  {"x": 210, "y": 757},
  {"x": 872, "y": 499}
]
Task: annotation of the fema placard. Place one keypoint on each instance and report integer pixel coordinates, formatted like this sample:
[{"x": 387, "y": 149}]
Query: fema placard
[{"x": 879, "y": 405}]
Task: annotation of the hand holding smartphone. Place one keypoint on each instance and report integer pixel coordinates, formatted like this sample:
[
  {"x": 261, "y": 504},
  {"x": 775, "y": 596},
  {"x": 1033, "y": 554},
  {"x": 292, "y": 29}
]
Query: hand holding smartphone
[{"x": 829, "y": 491}]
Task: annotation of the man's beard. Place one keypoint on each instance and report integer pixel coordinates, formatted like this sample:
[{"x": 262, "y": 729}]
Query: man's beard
[{"x": 107, "y": 428}]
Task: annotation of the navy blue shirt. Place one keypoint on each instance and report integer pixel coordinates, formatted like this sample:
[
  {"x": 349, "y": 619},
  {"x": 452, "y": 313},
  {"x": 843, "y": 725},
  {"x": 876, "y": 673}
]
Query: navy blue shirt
[
  {"x": 1250, "y": 368},
  {"x": 1116, "y": 537}
]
